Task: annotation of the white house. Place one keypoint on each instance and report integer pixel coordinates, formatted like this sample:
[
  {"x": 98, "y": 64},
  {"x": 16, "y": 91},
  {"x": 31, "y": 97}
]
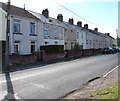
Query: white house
[
  {"x": 25, "y": 37},
  {"x": 30, "y": 30},
  {"x": 53, "y": 29},
  {"x": 3, "y": 22}
]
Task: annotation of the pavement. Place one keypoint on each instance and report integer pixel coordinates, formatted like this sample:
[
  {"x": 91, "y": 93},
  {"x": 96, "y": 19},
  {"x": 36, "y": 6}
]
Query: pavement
[{"x": 96, "y": 85}]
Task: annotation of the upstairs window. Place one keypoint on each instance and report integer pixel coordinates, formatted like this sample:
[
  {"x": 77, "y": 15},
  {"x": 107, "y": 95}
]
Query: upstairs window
[
  {"x": 16, "y": 26},
  {"x": 55, "y": 33},
  {"x": 32, "y": 28},
  {"x": 82, "y": 35},
  {"x": 77, "y": 36},
  {"x": 46, "y": 31}
]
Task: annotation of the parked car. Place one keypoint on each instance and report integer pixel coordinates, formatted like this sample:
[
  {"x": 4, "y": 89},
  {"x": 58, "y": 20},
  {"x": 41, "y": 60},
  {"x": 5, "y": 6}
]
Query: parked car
[
  {"x": 108, "y": 50},
  {"x": 116, "y": 49},
  {"x": 119, "y": 49}
]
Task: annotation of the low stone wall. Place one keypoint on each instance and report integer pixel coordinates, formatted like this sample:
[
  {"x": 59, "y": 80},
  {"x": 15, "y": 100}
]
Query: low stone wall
[{"x": 23, "y": 59}]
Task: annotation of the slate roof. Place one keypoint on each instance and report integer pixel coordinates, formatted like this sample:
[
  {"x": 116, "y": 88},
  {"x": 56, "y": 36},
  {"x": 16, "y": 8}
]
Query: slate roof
[
  {"x": 17, "y": 11},
  {"x": 48, "y": 20}
]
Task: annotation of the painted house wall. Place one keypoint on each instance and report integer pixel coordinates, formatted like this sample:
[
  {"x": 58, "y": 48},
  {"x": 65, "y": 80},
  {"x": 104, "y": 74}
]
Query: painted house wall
[
  {"x": 51, "y": 24},
  {"x": 52, "y": 39},
  {"x": 70, "y": 38},
  {"x": 24, "y": 37},
  {"x": 3, "y": 22},
  {"x": 81, "y": 37}
]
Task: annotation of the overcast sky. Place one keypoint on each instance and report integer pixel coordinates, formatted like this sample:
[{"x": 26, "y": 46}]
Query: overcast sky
[{"x": 99, "y": 13}]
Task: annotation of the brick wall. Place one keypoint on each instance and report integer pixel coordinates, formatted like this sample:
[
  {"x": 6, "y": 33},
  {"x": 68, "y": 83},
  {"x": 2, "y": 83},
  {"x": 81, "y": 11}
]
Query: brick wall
[
  {"x": 71, "y": 53},
  {"x": 23, "y": 59},
  {"x": 27, "y": 59},
  {"x": 51, "y": 57}
]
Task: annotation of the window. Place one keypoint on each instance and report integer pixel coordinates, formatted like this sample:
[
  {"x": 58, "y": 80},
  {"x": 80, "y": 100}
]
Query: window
[
  {"x": 32, "y": 47},
  {"x": 56, "y": 43},
  {"x": 77, "y": 36},
  {"x": 82, "y": 36},
  {"x": 32, "y": 28},
  {"x": 72, "y": 45},
  {"x": 46, "y": 31},
  {"x": 16, "y": 26},
  {"x": 46, "y": 43},
  {"x": 16, "y": 47},
  {"x": 55, "y": 33}
]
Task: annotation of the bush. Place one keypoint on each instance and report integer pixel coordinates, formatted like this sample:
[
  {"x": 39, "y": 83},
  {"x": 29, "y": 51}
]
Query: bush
[
  {"x": 76, "y": 47},
  {"x": 53, "y": 48}
]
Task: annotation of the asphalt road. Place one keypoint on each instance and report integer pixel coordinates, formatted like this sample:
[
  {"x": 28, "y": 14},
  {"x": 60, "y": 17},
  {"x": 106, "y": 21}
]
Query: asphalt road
[{"x": 55, "y": 80}]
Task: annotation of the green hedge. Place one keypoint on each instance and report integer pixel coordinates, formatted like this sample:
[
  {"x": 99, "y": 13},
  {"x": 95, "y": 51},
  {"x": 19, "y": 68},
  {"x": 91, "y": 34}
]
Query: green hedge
[{"x": 53, "y": 48}]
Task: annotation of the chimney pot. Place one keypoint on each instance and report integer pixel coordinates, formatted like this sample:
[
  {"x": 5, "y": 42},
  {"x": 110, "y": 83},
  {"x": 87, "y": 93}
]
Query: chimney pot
[
  {"x": 45, "y": 12},
  {"x": 96, "y": 29},
  {"x": 108, "y": 34},
  {"x": 60, "y": 17},
  {"x": 79, "y": 23},
  {"x": 71, "y": 21},
  {"x": 86, "y": 26}
]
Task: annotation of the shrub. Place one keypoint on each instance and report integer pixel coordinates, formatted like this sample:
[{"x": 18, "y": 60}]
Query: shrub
[
  {"x": 53, "y": 48},
  {"x": 76, "y": 47}
]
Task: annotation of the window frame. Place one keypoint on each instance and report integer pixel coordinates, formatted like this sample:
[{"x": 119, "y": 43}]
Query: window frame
[
  {"x": 55, "y": 33},
  {"x": 18, "y": 46},
  {"x": 33, "y": 44},
  {"x": 46, "y": 30},
  {"x": 17, "y": 24},
  {"x": 32, "y": 28}
]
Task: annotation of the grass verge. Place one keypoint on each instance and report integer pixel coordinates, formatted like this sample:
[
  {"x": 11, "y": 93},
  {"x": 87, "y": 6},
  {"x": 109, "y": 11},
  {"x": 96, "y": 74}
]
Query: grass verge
[{"x": 112, "y": 93}]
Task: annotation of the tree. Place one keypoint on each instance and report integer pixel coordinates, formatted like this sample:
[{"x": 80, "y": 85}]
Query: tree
[{"x": 76, "y": 47}]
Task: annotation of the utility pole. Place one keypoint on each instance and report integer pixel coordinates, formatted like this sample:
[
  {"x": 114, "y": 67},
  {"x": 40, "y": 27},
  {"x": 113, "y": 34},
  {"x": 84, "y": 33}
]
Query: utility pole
[{"x": 7, "y": 62}]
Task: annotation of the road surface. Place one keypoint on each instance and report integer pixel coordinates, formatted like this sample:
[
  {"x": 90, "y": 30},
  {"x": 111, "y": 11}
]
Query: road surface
[{"x": 55, "y": 80}]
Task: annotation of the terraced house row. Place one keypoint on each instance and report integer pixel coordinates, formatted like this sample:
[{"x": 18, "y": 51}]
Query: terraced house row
[{"x": 30, "y": 30}]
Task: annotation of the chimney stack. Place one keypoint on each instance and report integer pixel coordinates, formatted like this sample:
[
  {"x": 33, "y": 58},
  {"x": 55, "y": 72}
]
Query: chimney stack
[
  {"x": 108, "y": 34},
  {"x": 71, "y": 21},
  {"x": 60, "y": 17},
  {"x": 96, "y": 29},
  {"x": 45, "y": 12},
  {"x": 86, "y": 26},
  {"x": 79, "y": 23}
]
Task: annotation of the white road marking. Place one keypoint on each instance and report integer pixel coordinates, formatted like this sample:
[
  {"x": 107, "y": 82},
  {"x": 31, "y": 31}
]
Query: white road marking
[
  {"x": 110, "y": 71},
  {"x": 40, "y": 86},
  {"x": 27, "y": 76}
]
